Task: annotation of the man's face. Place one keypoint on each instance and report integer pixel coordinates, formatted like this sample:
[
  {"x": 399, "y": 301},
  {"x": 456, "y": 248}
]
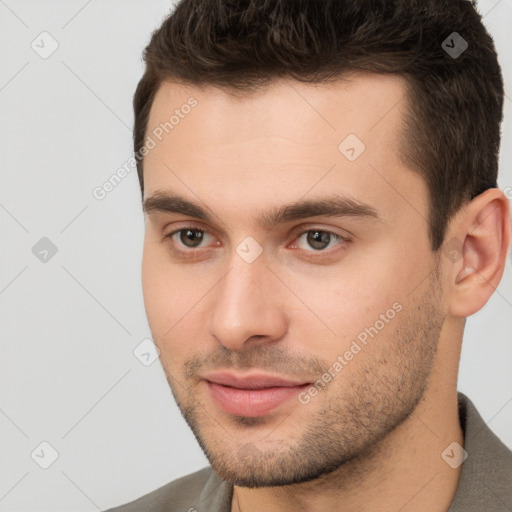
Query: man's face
[{"x": 296, "y": 307}]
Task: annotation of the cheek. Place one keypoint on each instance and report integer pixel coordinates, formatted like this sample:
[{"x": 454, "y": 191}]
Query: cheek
[
  {"x": 351, "y": 294},
  {"x": 172, "y": 302},
  {"x": 160, "y": 302},
  {"x": 348, "y": 303},
  {"x": 160, "y": 289}
]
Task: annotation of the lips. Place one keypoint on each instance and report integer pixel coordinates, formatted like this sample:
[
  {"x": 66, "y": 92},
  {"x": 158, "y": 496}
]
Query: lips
[{"x": 251, "y": 395}]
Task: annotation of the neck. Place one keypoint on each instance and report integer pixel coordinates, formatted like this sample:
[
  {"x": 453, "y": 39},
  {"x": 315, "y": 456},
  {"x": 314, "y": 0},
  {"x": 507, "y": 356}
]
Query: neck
[{"x": 404, "y": 472}]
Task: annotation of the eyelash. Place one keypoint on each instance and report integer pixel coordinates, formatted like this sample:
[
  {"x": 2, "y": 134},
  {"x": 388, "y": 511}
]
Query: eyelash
[{"x": 190, "y": 251}]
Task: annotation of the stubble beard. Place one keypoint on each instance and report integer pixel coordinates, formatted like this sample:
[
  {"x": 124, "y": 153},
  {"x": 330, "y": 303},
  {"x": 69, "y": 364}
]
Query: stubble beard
[{"x": 351, "y": 423}]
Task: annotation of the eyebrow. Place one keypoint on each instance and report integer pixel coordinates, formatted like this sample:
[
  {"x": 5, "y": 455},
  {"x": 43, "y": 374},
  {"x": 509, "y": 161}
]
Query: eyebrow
[{"x": 334, "y": 205}]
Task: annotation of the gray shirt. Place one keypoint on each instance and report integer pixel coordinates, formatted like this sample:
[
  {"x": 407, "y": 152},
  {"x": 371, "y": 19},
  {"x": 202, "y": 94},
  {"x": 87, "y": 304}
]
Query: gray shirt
[{"x": 485, "y": 483}]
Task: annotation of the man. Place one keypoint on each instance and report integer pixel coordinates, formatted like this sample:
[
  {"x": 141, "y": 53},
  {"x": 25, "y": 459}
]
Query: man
[{"x": 322, "y": 214}]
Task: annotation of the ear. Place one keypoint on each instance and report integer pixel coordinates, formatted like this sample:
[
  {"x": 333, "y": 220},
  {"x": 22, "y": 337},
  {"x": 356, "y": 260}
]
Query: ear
[{"x": 476, "y": 247}]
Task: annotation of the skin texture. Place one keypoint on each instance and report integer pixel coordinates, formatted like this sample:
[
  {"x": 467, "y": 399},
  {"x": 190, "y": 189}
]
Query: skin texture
[{"x": 372, "y": 438}]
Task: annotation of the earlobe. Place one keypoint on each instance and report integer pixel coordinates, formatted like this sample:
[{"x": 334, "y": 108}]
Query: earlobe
[{"x": 484, "y": 231}]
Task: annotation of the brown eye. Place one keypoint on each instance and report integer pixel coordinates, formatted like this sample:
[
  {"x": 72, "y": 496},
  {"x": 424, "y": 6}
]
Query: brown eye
[
  {"x": 318, "y": 240},
  {"x": 191, "y": 237}
]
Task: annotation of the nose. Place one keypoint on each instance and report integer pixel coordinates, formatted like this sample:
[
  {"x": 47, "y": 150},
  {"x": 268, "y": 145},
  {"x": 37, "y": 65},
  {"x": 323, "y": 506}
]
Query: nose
[{"x": 248, "y": 307}]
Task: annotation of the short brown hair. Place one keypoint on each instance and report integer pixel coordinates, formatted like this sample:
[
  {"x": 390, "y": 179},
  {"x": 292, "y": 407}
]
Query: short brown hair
[{"x": 452, "y": 129}]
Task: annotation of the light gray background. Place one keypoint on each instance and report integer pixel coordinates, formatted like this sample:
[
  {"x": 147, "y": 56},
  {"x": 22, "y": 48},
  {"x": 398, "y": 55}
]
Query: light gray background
[{"x": 69, "y": 326}]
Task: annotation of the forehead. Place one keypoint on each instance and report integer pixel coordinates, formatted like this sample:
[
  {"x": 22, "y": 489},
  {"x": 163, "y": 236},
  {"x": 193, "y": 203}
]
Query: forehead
[
  {"x": 283, "y": 142},
  {"x": 356, "y": 102}
]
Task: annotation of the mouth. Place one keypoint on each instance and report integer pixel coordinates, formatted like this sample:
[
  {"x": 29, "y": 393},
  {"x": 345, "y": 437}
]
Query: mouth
[{"x": 252, "y": 395}]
